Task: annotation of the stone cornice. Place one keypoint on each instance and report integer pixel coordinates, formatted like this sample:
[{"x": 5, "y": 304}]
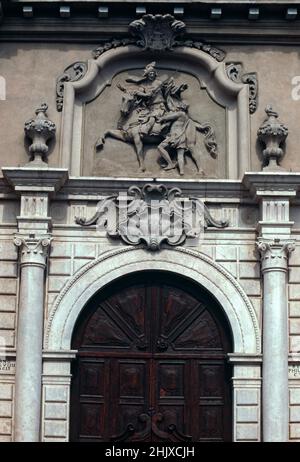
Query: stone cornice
[
  {"x": 25, "y": 179},
  {"x": 93, "y": 186},
  {"x": 84, "y": 24},
  {"x": 272, "y": 184}
]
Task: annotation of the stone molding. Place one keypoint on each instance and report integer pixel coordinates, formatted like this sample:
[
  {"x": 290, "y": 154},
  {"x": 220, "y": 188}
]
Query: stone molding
[{"x": 244, "y": 359}]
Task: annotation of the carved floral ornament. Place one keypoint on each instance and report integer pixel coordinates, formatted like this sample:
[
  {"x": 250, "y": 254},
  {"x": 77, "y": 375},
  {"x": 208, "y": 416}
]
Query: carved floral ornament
[{"x": 152, "y": 216}]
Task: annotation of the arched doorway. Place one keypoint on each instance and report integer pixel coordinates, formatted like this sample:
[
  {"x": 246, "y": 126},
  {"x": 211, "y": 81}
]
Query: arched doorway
[{"x": 151, "y": 363}]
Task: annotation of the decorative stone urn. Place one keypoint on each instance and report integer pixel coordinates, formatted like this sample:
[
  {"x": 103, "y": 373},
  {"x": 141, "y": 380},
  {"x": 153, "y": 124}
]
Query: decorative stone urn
[
  {"x": 272, "y": 135},
  {"x": 39, "y": 130}
]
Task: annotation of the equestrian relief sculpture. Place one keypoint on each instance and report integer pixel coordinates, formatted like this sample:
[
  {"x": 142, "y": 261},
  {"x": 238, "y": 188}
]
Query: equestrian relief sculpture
[{"x": 153, "y": 112}]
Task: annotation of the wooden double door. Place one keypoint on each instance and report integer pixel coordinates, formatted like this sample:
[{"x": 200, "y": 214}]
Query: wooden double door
[{"x": 151, "y": 364}]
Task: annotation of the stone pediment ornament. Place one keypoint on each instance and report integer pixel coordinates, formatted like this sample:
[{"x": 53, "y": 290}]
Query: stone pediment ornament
[
  {"x": 151, "y": 216},
  {"x": 235, "y": 72},
  {"x": 272, "y": 134},
  {"x": 151, "y": 32},
  {"x": 156, "y": 32}
]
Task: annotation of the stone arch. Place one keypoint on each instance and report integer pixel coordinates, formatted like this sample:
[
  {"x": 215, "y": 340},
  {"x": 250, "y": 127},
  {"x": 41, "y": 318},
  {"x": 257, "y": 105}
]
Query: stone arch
[
  {"x": 117, "y": 263},
  {"x": 211, "y": 74}
]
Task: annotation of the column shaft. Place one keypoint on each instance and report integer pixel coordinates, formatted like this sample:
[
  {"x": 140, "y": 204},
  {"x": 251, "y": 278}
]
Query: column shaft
[
  {"x": 30, "y": 339},
  {"x": 275, "y": 357},
  {"x": 275, "y": 339}
]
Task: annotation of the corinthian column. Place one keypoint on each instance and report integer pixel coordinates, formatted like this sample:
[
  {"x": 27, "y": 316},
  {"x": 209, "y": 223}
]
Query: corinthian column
[
  {"x": 274, "y": 259},
  {"x": 33, "y": 256}
]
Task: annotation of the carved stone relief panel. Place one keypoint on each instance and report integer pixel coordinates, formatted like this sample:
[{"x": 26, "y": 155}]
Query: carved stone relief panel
[
  {"x": 117, "y": 113},
  {"x": 155, "y": 106}
]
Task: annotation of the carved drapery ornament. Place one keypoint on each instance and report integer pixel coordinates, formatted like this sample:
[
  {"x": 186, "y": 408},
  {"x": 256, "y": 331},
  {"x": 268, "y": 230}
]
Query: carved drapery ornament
[
  {"x": 235, "y": 73},
  {"x": 151, "y": 216},
  {"x": 272, "y": 134},
  {"x": 275, "y": 254},
  {"x": 33, "y": 249},
  {"x": 39, "y": 130}
]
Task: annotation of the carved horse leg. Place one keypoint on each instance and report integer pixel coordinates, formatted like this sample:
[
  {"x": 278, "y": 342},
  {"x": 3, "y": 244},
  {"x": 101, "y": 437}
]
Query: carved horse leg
[
  {"x": 116, "y": 134},
  {"x": 139, "y": 147}
]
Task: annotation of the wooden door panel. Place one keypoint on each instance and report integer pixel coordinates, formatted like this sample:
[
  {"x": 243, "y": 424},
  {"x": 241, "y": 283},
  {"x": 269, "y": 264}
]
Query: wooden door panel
[
  {"x": 103, "y": 332},
  {"x": 130, "y": 396},
  {"x": 171, "y": 399},
  {"x": 211, "y": 423},
  {"x": 94, "y": 396},
  {"x": 92, "y": 420},
  {"x": 92, "y": 378},
  {"x": 211, "y": 380},
  {"x": 170, "y": 380},
  {"x": 200, "y": 334},
  {"x": 152, "y": 365}
]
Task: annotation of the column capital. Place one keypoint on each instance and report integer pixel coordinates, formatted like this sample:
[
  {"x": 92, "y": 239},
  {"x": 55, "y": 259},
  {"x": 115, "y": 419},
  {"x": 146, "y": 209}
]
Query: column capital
[
  {"x": 275, "y": 253},
  {"x": 33, "y": 249}
]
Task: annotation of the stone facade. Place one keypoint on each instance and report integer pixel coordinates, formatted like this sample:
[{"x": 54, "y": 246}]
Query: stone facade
[{"x": 53, "y": 258}]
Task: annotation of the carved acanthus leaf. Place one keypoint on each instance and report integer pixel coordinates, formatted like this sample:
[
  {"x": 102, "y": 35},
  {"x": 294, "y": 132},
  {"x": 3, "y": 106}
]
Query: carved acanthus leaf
[
  {"x": 234, "y": 72},
  {"x": 72, "y": 73}
]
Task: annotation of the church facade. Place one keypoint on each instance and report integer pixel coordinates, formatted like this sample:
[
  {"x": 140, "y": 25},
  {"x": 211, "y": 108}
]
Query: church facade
[{"x": 149, "y": 221}]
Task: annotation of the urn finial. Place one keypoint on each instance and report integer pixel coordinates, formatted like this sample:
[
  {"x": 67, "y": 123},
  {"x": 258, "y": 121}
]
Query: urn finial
[
  {"x": 39, "y": 130},
  {"x": 272, "y": 134}
]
